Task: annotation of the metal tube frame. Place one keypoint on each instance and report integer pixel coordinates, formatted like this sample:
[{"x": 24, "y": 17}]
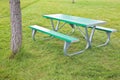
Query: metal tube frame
[
  {"x": 62, "y": 25},
  {"x": 86, "y": 35},
  {"x": 67, "y": 44},
  {"x": 107, "y": 40},
  {"x": 87, "y": 38},
  {"x": 92, "y": 33},
  {"x": 57, "y": 25},
  {"x": 33, "y": 34},
  {"x": 52, "y": 23},
  {"x": 83, "y": 34},
  {"x": 73, "y": 29}
]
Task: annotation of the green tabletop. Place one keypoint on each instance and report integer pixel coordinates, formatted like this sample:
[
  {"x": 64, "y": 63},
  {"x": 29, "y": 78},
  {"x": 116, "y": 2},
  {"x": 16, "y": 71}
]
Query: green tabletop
[{"x": 85, "y": 22}]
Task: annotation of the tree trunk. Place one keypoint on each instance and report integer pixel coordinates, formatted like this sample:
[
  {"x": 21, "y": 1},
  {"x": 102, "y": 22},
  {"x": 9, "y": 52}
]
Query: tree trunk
[
  {"x": 73, "y": 1},
  {"x": 16, "y": 26}
]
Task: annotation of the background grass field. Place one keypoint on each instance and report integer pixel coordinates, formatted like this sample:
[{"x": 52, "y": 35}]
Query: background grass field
[{"x": 44, "y": 60}]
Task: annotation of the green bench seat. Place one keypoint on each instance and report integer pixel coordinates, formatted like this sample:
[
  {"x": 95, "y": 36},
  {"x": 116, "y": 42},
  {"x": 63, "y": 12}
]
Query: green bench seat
[
  {"x": 66, "y": 38},
  {"x": 54, "y": 33},
  {"x": 104, "y": 29}
]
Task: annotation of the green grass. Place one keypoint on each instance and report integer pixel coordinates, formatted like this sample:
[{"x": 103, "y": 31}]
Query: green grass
[{"x": 44, "y": 60}]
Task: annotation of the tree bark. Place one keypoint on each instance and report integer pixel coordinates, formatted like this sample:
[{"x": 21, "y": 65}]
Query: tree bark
[
  {"x": 73, "y": 1},
  {"x": 16, "y": 26}
]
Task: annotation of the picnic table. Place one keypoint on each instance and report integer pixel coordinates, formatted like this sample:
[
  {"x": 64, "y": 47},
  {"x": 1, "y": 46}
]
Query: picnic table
[{"x": 74, "y": 22}]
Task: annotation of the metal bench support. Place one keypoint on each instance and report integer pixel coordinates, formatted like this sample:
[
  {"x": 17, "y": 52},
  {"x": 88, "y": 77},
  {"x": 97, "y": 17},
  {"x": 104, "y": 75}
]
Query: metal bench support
[
  {"x": 107, "y": 40},
  {"x": 65, "y": 49},
  {"x": 33, "y": 34}
]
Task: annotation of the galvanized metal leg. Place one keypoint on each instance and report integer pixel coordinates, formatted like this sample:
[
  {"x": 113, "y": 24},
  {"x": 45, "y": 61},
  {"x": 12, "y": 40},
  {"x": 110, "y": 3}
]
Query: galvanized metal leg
[
  {"x": 33, "y": 34},
  {"x": 86, "y": 36},
  {"x": 88, "y": 45},
  {"x": 61, "y": 26},
  {"x": 57, "y": 26},
  {"x": 73, "y": 28},
  {"x": 66, "y": 46},
  {"x": 83, "y": 34},
  {"x": 87, "y": 39},
  {"x": 107, "y": 41},
  {"x": 92, "y": 33},
  {"x": 52, "y": 23}
]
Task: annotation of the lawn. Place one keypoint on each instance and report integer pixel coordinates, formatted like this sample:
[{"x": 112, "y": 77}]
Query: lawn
[{"x": 44, "y": 59}]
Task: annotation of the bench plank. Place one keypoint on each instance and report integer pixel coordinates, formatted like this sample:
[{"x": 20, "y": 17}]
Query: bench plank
[
  {"x": 104, "y": 29},
  {"x": 54, "y": 33}
]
